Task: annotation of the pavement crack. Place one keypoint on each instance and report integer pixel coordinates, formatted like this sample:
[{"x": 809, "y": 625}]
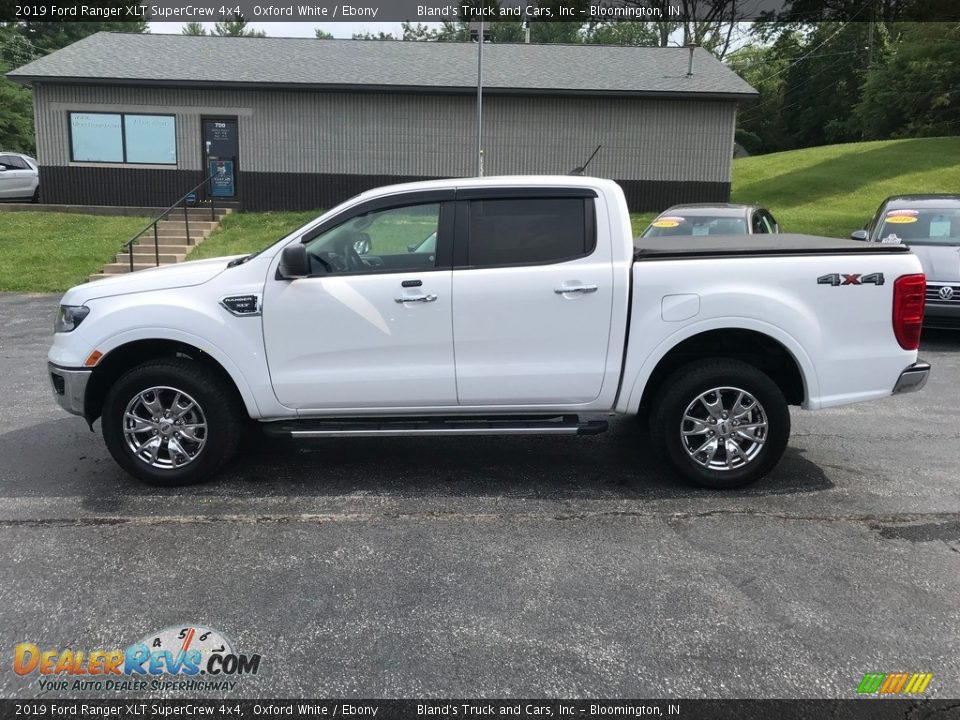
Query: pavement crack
[{"x": 873, "y": 521}]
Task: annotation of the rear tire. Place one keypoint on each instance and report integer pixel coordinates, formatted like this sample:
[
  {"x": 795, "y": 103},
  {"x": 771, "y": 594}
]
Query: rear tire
[
  {"x": 720, "y": 424},
  {"x": 172, "y": 422},
  {"x": 36, "y": 195}
]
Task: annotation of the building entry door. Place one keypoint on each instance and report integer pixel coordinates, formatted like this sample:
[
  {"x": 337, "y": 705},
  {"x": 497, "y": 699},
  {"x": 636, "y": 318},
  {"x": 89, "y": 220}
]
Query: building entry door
[{"x": 221, "y": 150}]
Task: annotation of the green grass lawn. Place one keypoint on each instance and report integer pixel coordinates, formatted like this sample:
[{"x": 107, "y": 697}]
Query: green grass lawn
[
  {"x": 241, "y": 233},
  {"x": 835, "y": 189},
  {"x": 49, "y": 252}
]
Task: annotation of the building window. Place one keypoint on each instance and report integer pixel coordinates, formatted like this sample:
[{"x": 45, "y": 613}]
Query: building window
[{"x": 123, "y": 138}]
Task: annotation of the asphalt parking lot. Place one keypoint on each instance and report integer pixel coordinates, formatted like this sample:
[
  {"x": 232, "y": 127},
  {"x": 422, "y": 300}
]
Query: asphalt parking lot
[{"x": 496, "y": 567}]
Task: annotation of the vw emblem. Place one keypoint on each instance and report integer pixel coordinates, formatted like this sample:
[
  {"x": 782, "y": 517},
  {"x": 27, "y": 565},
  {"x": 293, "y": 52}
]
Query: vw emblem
[{"x": 946, "y": 293}]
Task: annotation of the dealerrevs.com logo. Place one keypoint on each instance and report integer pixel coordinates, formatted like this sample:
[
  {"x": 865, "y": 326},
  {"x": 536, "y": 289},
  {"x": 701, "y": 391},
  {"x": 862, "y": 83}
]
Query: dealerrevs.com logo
[{"x": 189, "y": 658}]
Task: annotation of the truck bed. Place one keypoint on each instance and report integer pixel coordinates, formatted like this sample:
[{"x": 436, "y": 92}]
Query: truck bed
[{"x": 701, "y": 246}]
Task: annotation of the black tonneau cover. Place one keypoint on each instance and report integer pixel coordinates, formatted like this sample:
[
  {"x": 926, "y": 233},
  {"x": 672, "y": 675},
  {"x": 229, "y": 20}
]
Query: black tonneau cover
[{"x": 700, "y": 246}]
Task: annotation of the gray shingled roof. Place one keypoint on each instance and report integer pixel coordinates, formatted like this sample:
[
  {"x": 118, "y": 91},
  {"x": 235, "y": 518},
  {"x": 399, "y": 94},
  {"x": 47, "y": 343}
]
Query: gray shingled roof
[{"x": 179, "y": 60}]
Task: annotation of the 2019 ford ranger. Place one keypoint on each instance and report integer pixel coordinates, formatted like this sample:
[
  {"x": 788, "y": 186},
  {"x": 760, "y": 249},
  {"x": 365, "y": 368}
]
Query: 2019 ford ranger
[{"x": 530, "y": 311}]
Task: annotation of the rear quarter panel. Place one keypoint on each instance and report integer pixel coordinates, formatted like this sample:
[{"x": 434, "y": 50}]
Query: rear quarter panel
[{"x": 840, "y": 336}]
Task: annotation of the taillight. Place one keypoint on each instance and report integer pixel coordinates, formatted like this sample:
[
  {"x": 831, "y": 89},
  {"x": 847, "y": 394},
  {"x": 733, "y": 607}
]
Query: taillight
[{"x": 908, "y": 301}]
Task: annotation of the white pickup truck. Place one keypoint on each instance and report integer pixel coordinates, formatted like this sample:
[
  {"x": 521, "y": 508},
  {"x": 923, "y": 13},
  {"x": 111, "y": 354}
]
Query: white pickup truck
[{"x": 489, "y": 306}]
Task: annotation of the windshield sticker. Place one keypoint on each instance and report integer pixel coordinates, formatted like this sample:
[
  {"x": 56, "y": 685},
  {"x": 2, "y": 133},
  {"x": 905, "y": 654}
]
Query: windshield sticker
[
  {"x": 667, "y": 222},
  {"x": 902, "y": 217},
  {"x": 940, "y": 226}
]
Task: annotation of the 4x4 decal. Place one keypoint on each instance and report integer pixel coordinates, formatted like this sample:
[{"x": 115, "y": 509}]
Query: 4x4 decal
[{"x": 835, "y": 279}]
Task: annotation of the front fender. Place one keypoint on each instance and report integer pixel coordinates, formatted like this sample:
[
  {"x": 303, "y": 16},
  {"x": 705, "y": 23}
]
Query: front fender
[{"x": 214, "y": 351}]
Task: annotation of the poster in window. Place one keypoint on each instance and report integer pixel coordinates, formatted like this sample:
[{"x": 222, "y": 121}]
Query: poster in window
[{"x": 221, "y": 178}]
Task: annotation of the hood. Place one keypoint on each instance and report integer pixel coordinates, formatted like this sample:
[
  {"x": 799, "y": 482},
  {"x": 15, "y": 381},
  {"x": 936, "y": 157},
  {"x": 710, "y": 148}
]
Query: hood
[
  {"x": 941, "y": 263},
  {"x": 195, "y": 272}
]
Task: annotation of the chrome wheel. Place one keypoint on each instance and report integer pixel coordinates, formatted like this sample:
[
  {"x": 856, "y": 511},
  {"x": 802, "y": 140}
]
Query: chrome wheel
[
  {"x": 724, "y": 428},
  {"x": 164, "y": 427}
]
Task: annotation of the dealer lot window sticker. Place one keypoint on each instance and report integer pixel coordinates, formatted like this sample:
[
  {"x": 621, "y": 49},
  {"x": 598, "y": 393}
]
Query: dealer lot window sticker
[{"x": 183, "y": 653}]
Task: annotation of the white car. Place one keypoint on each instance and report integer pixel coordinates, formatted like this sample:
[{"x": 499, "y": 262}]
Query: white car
[
  {"x": 19, "y": 177},
  {"x": 533, "y": 313}
]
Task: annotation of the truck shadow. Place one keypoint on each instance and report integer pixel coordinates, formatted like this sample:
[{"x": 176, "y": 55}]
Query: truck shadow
[
  {"x": 602, "y": 467},
  {"x": 62, "y": 458}
]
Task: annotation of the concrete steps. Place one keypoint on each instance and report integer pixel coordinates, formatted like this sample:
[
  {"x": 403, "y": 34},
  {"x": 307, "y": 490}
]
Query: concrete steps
[{"x": 173, "y": 242}]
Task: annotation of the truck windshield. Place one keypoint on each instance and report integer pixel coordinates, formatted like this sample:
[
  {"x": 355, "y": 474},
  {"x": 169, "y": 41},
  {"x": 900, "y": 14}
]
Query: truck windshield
[
  {"x": 930, "y": 226},
  {"x": 676, "y": 225}
]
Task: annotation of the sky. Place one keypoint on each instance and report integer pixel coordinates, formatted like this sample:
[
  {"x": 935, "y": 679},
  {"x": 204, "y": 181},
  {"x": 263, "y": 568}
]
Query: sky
[{"x": 294, "y": 29}]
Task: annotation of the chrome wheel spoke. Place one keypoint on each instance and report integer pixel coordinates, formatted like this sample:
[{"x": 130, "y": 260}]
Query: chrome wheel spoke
[
  {"x": 155, "y": 431},
  {"x": 700, "y": 427},
  {"x": 139, "y": 424},
  {"x": 189, "y": 432},
  {"x": 734, "y": 451},
  {"x": 736, "y": 422},
  {"x": 175, "y": 449},
  {"x": 152, "y": 406},
  {"x": 715, "y": 408}
]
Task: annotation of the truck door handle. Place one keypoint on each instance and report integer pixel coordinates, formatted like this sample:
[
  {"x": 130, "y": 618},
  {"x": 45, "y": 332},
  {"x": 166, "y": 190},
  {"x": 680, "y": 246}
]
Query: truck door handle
[
  {"x": 417, "y": 298},
  {"x": 576, "y": 289}
]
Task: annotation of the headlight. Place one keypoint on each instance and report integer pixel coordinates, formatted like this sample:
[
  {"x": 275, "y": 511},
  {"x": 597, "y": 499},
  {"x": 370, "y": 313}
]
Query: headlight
[{"x": 69, "y": 316}]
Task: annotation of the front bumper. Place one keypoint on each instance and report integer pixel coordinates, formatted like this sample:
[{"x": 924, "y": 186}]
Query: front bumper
[
  {"x": 913, "y": 378},
  {"x": 69, "y": 387}
]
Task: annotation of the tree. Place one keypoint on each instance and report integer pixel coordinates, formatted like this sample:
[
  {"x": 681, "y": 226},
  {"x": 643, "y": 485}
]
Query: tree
[
  {"x": 22, "y": 42},
  {"x": 49, "y": 36},
  {"x": 915, "y": 90},
  {"x": 322, "y": 34},
  {"x": 623, "y": 33},
  {"x": 194, "y": 28},
  {"x": 374, "y": 36},
  {"x": 236, "y": 28}
]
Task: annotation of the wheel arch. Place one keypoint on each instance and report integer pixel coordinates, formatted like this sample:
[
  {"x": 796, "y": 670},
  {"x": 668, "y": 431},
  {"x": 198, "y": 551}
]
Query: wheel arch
[
  {"x": 126, "y": 355},
  {"x": 767, "y": 349}
]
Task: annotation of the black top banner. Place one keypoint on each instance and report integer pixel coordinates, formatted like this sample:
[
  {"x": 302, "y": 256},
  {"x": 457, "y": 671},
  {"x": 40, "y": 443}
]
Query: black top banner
[
  {"x": 481, "y": 10},
  {"x": 853, "y": 709}
]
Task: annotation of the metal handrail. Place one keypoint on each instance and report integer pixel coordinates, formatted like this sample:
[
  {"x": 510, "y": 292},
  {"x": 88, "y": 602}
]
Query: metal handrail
[{"x": 128, "y": 245}]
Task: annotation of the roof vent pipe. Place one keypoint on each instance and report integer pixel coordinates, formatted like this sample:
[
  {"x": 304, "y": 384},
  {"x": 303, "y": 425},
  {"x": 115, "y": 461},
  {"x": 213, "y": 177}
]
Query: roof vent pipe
[{"x": 691, "y": 47}]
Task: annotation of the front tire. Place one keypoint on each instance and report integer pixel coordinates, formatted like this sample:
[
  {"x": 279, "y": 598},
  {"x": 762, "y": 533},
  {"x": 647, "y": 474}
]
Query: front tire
[
  {"x": 721, "y": 424},
  {"x": 172, "y": 422}
]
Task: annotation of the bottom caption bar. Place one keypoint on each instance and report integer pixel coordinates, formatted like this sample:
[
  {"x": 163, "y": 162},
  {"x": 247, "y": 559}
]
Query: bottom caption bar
[{"x": 872, "y": 708}]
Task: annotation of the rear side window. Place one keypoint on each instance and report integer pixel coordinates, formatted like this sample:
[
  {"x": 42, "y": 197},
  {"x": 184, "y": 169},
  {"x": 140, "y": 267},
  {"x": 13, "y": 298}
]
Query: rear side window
[{"x": 527, "y": 231}]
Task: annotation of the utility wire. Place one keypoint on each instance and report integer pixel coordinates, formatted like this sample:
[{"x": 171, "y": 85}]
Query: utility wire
[{"x": 804, "y": 57}]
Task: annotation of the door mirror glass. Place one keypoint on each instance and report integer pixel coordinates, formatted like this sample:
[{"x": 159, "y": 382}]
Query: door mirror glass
[
  {"x": 858, "y": 235},
  {"x": 294, "y": 262}
]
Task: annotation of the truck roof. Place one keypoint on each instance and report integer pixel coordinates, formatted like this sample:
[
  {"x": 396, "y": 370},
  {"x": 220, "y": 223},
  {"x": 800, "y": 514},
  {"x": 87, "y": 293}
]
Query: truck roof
[
  {"x": 661, "y": 248},
  {"x": 928, "y": 200},
  {"x": 709, "y": 210},
  {"x": 494, "y": 181}
]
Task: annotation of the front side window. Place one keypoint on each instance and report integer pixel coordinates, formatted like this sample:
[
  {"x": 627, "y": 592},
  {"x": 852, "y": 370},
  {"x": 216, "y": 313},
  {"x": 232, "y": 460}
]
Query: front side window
[
  {"x": 123, "y": 138},
  {"x": 525, "y": 231},
  {"x": 392, "y": 240}
]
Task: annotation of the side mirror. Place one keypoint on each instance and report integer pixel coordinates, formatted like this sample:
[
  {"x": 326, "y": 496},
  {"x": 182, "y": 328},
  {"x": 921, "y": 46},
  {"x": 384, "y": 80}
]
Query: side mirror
[
  {"x": 859, "y": 235},
  {"x": 294, "y": 262}
]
